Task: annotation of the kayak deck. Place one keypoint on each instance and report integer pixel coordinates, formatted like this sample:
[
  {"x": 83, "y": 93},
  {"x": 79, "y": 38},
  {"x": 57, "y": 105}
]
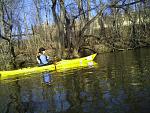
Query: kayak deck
[{"x": 60, "y": 66}]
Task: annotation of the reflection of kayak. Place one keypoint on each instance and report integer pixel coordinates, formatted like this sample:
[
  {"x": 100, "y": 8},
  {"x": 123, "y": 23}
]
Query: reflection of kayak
[{"x": 60, "y": 66}]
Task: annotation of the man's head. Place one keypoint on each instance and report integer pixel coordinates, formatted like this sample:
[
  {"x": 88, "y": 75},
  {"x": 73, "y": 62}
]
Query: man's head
[{"x": 42, "y": 50}]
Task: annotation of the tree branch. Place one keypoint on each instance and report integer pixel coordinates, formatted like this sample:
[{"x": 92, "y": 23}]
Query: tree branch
[
  {"x": 1, "y": 36},
  {"x": 123, "y": 5}
]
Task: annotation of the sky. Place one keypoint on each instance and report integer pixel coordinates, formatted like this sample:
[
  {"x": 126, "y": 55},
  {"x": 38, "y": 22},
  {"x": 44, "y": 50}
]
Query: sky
[
  {"x": 29, "y": 7},
  {"x": 28, "y": 15}
]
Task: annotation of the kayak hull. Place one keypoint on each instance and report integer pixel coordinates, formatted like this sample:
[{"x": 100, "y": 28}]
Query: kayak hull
[{"x": 60, "y": 66}]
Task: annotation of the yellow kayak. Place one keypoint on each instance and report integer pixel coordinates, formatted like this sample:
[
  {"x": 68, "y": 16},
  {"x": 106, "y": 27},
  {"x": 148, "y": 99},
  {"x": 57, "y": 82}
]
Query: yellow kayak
[{"x": 60, "y": 66}]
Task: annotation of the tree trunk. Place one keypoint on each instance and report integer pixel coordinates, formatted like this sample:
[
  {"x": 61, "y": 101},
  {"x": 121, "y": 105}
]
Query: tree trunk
[
  {"x": 60, "y": 36},
  {"x": 1, "y": 19},
  {"x": 7, "y": 32}
]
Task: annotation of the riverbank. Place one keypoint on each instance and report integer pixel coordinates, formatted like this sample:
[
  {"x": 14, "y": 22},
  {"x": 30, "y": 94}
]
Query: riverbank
[{"x": 27, "y": 60}]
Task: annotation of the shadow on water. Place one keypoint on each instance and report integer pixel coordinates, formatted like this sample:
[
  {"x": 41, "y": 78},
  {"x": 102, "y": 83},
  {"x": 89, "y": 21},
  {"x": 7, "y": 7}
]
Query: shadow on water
[{"x": 121, "y": 84}]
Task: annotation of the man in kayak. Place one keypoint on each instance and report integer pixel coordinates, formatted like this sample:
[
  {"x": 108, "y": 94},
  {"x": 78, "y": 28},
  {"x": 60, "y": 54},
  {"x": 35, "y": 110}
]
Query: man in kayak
[{"x": 42, "y": 58}]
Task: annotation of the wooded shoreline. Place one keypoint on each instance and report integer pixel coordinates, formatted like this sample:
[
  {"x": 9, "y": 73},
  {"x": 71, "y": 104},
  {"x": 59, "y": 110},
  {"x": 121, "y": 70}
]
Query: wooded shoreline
[{"x": 70, "y": 29}]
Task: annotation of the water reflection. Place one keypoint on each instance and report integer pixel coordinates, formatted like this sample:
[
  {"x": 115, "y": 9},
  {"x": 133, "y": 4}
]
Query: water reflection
[
  {"x": 47, "y": 78},
  {"x": 13, "y": 97},
  {"x": 120, "y": 85}
]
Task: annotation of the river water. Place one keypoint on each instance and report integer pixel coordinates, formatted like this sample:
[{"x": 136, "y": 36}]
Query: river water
[{"x": 120, "y": 84}]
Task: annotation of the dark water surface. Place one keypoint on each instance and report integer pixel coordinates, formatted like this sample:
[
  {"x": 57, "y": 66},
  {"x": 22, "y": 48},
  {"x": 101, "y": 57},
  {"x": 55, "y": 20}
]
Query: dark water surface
[{"x": 121, "y": 84}]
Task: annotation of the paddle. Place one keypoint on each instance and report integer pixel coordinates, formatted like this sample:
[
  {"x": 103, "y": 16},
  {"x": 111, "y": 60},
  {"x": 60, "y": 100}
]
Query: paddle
[{"x": 55, "y": 60}]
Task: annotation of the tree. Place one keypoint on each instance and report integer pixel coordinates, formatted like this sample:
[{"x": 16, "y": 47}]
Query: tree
[{"x": 7, "y": 8}]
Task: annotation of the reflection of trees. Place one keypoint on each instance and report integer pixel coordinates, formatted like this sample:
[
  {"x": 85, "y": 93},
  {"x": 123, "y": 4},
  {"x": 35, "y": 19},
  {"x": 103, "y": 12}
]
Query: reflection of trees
[
  {"x": 15, "y": 105},
  {"x": 48, "y": 96},
  {"x": 82, "y": 91},
  {"x": 74, "y": 88},
  {"x": 26, "y": 96},
  {"x": 126, "y": 78}
]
